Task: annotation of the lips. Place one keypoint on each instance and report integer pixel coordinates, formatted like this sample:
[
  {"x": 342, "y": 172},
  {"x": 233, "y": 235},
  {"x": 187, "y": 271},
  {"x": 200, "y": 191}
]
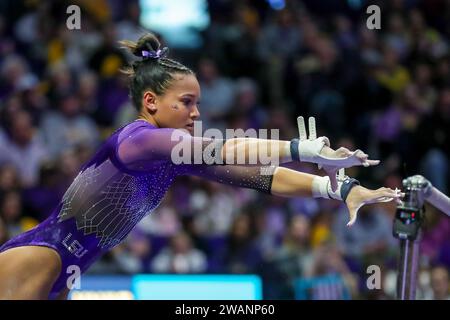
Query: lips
[{"x": 190, "y": 127}]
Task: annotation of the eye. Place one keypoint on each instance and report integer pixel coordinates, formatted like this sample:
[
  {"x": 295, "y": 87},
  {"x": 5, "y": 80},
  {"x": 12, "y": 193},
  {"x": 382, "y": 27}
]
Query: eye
[{"x": 186, "y": 102}]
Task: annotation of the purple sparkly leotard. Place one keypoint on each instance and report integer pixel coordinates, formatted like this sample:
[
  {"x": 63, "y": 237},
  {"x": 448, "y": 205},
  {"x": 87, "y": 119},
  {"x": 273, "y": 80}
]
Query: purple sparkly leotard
[{"x": 124, "y": 181}]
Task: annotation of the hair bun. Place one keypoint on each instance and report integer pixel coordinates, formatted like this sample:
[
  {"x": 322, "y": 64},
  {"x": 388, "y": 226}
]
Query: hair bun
[{"x": 148, "y": 42}]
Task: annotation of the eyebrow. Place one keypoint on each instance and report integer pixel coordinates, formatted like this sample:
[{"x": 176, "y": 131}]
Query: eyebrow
[{"x": 190, "y": 95}]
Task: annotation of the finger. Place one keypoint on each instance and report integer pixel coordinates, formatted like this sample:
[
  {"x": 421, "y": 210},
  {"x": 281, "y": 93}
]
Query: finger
[
  {"x": 385, "y": 190},
  {"x": 360, "y": 155},
  {"x": 372, "y": 162},
  {"x": 401, "y": 195},
  {"x": 364, "y": 156},
  {"x": 301, "y": 128},
  {"x": 386, "y": 196},
  {"x": 393, "y": 193},
  {"x": 326, "y": 141},
  {"x": 363, "y": 153},
  {"x": 399, "y": 192},
  {"x": 344, "y": 150}
]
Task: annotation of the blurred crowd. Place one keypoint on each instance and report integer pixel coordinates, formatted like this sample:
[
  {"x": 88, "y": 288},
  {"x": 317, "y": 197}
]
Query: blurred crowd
[{"x": 385, "y": 91}]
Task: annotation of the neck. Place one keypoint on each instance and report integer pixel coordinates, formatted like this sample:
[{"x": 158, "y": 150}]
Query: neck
[{"x": 147, "y": 117}]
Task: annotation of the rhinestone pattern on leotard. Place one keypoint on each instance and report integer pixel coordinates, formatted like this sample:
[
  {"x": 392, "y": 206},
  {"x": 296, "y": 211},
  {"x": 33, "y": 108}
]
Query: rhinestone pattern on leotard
[{"x": 109, "y": 203}]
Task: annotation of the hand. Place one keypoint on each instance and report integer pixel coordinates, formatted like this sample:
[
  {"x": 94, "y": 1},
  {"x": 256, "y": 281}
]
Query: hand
[
  {"x": 317, "y": 150},
  {"x": 356, "y": 158},
  {"x": 360, "y": 196}
]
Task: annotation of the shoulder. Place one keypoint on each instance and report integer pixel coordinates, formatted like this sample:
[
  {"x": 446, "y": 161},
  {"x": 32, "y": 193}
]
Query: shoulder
[
  {"x": 137, "y": 124},
  {"x": 132, "y": 127},
  {"x": 141, "y": 129}
]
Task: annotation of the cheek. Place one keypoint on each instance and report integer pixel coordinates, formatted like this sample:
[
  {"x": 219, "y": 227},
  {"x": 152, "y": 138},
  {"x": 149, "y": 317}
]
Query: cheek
[
  {"x": 176, "y": 114},
  {"x": 174, "y": 107},
  {"x": 180, "y": 110}
]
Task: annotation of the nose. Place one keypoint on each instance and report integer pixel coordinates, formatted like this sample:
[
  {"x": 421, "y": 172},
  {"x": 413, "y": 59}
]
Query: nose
[{"x": 195, "y": 113}]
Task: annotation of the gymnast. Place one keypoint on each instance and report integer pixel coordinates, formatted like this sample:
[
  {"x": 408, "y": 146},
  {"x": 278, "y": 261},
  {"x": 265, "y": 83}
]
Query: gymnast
[{"x": 129, "y": 174}]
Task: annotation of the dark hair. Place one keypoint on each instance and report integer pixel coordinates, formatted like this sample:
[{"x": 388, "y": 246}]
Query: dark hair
[{"x": 153, "y": 73}]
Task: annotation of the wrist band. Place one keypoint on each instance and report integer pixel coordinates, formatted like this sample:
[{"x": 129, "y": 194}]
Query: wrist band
[
  {"x": 347, "y": 186},
  {"x": 294, "y": 149}
]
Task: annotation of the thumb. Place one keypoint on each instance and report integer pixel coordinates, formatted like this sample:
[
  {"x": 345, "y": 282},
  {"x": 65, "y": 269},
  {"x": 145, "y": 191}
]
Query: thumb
[
  {"x": 353, "y": 212},
  {"x": 353, "y": 215}
]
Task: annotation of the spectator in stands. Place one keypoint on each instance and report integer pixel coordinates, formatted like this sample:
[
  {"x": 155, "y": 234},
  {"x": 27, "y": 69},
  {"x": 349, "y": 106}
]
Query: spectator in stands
[{"x": 179, "y": 257}]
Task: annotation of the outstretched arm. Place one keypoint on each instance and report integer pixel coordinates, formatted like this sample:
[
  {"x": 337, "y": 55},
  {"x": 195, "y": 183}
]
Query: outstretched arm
[
  {"x": 145, "y": 148},
  {"x": 285, "y": 182},
  {"x": 143, "y": 144},
  {"x": 290, "y": 183}
]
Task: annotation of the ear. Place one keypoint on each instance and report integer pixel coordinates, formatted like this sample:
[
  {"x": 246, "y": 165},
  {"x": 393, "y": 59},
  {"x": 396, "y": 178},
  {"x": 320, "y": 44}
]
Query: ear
[{"x": 149, "y": 101}]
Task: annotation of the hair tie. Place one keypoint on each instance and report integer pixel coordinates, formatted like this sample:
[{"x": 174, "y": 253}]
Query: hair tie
[{"x": 160, "y": 53}]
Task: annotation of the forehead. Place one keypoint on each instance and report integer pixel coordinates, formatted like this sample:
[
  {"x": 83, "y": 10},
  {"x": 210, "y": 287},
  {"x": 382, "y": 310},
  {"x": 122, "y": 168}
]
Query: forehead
[{"x": 185, "y": 84}]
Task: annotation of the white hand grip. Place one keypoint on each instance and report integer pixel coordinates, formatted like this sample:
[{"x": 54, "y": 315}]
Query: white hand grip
[
  {"x": 312, "y": 128},
  {"x": 301, "y": 128}
]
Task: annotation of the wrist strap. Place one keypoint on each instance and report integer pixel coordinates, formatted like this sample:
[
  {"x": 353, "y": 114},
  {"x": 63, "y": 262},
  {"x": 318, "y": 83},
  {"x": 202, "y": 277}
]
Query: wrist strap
[
  {"x": 347, "y": 186},
  {"x": 321, "y": 188},
  {"x": 294, "y": 149}
]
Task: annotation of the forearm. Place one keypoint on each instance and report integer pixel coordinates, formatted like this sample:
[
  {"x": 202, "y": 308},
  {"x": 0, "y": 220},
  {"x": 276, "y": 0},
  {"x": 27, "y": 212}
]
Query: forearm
[
  {"x": 290, "y": 183},
  {"x": 275, "y": 152},
  {"x": 256, "y": 151},
  {"x": 277, "y": 181}
]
